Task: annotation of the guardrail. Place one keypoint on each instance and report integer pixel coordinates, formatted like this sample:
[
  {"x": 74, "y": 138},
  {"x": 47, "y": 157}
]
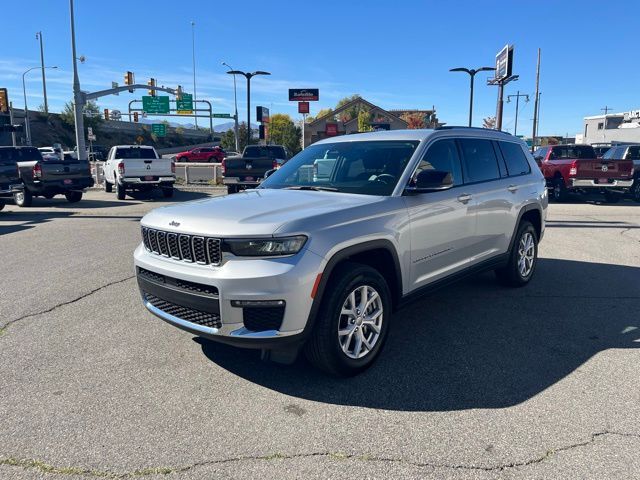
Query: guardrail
[{"x": 191, "y": 172}]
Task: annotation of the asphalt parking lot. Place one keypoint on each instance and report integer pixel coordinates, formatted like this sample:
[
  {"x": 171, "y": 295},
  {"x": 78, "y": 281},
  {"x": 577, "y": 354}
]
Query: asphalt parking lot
[{"x": 476, "y": 381}]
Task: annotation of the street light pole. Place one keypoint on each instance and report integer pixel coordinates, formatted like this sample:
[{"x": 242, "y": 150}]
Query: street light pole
[
  {"x": 472, "y": 74},
  {"x": 193, "y": 51},
  {"x": 248, "y": 76},
  {"x": 526, "y": 99},
  {"x": 27, "y": 125},
  {"x": 44, "y": 79},
  {"x": 78, "y": 100},
  {"x": 235, "y": 99}
]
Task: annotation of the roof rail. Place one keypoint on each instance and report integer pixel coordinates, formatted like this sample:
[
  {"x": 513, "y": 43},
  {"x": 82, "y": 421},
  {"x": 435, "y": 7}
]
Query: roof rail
[{"x": 451, "y": 127}]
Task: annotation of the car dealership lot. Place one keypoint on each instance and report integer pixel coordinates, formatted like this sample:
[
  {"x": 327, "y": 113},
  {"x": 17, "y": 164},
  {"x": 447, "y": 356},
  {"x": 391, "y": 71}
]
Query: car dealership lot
[{"x": 476, "y": 381}]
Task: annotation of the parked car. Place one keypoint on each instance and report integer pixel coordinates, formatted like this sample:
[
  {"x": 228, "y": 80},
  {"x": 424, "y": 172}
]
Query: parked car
[
  {"x": 49, "y": 176},
  {"x": 321, "y": 264},
  {"x": 575, "y": 168},
  {"x": 201, "y": 154},
  {"x": 10, "y": 182},
  {"x": 250, "y": 169},
  {"x": 632, "y": 153},
  {"x": 138, "y": 167}
]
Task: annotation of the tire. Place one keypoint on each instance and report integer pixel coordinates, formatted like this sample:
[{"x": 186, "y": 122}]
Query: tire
[
  {"x": 232, "y": 189},
  {"x": 211, "y": 159},
  {"x": 560, "y": 193},
  {"x": 121, "y": 190},
  {"x": 23, "y": 198},
  {"x": 327, "y": 349},
  {"x": 525, "y": 245},
  {"x": 167, "y": 192},
  {"x": 107, "y": 186},
  {"x": 73, "y": 197},
  {"x": 635, "y": 189},
  {"x": 612, "y": 197}
]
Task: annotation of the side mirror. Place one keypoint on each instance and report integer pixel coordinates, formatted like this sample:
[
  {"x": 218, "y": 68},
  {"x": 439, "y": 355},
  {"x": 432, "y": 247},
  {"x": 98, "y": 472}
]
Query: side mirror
[
  {"x": 268, "y": 173},
  {"x": 430, "y": 181}
]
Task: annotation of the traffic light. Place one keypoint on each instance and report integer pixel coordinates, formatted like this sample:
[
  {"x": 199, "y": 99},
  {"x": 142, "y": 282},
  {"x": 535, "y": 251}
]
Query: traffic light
[
  {"x": 4, "y": 101},
  {"x": 106, "y": 114},
  {"x": 135, "y": 117},
  {"x": 179, "y": 92},
  {"x": 152, "y": 83},
  {"x": 128, "y": 80}
]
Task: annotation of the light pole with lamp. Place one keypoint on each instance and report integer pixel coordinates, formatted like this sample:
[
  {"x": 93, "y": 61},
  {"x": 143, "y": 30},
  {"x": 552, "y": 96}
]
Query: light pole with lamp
[
  {"x": 517, "y": 96},
  {"x": 472, "y": 73},
  {"x": 248, "y": 76},
  {"x": 193, "y": 52},
  {"x": 44, "y": 78},
  {"x": 26, "y": 108},
  {"x": 235, "y": 99}
]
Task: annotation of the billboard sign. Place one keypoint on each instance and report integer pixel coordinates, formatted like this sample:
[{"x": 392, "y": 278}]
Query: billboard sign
[
  {"x": 504, "y": 63},
  {"x": 304, "y": 94},
  {"x": 303, "y": 107},
  {"x": 262, "y": 114}
]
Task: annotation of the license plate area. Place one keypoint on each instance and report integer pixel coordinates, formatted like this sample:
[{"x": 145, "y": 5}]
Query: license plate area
[
  {"x": 603, "y": 180},
  {"x": 67, "y": 181},
  {"x": 148, "y": 177}
]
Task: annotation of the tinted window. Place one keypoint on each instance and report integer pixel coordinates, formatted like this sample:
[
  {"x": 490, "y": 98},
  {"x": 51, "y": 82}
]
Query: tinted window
[
  {"x": 609, "y": 154},
  {"x": 443, "y": 156},
  {"x": 634, "y": 153},
  {"x": 515, "y": 158},
  {"x": 265, "y": 151},
  {"x": 573, "y": 151},
  {"x": 23, "y": 154},
  {"x": 480, "y": 162},
  {"x": 135, "y": 152}
]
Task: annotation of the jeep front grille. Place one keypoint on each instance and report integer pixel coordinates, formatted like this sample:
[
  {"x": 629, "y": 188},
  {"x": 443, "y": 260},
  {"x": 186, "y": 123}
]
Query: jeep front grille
[{"x": 188, "y": 248}]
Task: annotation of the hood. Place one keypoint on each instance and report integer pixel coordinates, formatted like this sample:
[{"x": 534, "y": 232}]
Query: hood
[{"x": 254, "y": 212}]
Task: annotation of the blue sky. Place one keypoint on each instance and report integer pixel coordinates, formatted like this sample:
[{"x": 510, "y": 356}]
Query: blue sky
[{"x": 395, "y": 54}]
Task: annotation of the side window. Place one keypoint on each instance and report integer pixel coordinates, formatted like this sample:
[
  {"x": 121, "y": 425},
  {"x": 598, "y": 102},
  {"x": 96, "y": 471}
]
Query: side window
[
  {"x": 634, "y": 153},
  {"x": 479, "y": 160},
  {"x": 443, "y": 155},
  {"x": 515, "y": 159}
]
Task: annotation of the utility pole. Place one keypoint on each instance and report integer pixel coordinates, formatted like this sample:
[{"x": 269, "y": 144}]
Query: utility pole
[
  {"x": 78, "y": 100},
  {"x": 517, "y": 95},
  {"x": 44, "y": 78},
  {"x": 13, "y": 133},
  {"x": 193, "y": 51},
  {"x": 535, "y": 107}
]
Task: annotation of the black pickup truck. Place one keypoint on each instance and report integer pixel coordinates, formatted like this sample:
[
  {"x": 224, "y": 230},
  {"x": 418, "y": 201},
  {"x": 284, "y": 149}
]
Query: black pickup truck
[
  {"x": 10, "y": 182},
  {"x": 249, "y": 169},
  {"x": 48, "y": 176}
]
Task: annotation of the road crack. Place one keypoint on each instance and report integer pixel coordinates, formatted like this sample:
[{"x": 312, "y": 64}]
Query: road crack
[
  {"x": 4, "y": 327},
  {"x": 42, "y": 467}
]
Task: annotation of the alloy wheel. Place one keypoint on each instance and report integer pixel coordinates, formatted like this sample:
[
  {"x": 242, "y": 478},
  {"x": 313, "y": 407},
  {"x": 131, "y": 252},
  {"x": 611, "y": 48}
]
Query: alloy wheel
[
  {"x": 360, "y": 322},
  {"x": 526, "y": 254}
]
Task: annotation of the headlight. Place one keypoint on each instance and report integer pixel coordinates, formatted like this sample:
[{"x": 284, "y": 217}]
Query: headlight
[{"x": 264, "y": 247}]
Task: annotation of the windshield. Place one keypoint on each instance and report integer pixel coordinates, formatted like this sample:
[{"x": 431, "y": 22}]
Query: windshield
[
  {"x": 135, "y": 152},
  {"x": 363, "y": 167}
]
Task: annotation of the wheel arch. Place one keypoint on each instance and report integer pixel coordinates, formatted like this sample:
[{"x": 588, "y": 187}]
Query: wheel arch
[{"x": 531, "y": 213}]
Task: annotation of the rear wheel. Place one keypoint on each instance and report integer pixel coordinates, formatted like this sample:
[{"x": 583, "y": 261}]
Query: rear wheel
[
  {"x": 352, "y": 322},
  {"x": 121, "y": 190},
  {"x": 23, "y": 198},
  {"x": 612, "y": 197},
  {"x": 559, "y": 190},
  {"x": 522, "y": 258},
  {"x": 73, "y": 197}
]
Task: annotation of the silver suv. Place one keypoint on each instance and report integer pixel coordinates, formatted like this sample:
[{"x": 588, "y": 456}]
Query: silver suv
[{"x": 321, "y": 254}]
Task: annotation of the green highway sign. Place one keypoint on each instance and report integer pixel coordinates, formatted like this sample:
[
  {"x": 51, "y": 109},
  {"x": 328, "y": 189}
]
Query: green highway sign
[
  {"x": 159, "y": 129},
  {"x": 185, "y": 105},
  {"x": 222, "y": 115},
  {"x": 155, "y": 104}
]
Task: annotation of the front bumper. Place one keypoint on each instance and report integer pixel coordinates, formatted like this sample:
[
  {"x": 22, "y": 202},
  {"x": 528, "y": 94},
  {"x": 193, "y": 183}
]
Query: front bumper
[
  {"x": 289, "y": 279},
  {"x": 592, "y": 183}
]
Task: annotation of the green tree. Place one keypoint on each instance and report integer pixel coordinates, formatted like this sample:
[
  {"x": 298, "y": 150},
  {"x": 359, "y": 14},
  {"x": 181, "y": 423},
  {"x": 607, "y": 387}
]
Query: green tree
[
  {"x": 91, "y": 112},
  {"x": 322, "y": 113},
  {"x": 414, "y": 120},
  {"x": 351, "y": 112},
  {"x": 282, "y": 131},
  {"x": 364, "y": 120},
  {"x": 228, "y": 141}
]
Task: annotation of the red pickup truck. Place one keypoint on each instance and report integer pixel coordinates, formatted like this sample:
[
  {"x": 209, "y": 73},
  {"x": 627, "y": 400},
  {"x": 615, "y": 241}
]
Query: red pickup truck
[
  {"x": 575, "y": 168},
  {"x": 201, "y": 154}
]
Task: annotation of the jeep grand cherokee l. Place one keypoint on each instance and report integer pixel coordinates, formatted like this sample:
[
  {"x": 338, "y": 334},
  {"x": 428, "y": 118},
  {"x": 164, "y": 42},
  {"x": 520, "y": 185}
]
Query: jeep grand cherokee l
[{"x": 320, "y": 262}]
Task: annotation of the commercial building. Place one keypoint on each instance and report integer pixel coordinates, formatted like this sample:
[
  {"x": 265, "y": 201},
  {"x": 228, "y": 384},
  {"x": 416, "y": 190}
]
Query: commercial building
[
  {"x": 611, "y": 128},
  {"x": 344, "y": 120}
]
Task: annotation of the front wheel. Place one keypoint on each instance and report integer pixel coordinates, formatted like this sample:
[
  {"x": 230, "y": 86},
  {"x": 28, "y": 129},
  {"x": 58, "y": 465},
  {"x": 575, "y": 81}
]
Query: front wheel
[
  {"x": 73, "y": 197},
  {"x": 352, "y": 322},
  {"x": 23, "y": 198},
  {"x": 522, "y": 258}
]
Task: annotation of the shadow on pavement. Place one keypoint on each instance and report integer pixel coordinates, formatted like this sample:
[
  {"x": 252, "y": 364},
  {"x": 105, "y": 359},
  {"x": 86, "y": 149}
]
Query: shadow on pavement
[{"x": 474, "y": 344}]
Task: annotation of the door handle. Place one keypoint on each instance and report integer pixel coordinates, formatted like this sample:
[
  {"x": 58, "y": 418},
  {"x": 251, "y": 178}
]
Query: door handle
[
  {"x": 512, "y": 188},
  {"x": 464, "y": 198}
]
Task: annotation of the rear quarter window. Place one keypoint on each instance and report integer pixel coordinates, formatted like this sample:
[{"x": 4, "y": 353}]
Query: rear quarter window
[{"x": 514, "y": 157}]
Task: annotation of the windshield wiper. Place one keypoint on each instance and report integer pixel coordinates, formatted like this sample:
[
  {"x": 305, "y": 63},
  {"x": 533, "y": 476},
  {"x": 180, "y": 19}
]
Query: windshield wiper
[{"x": 312, "y": 187}]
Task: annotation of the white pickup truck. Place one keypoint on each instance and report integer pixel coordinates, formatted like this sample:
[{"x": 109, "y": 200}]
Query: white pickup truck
[{"x": 138, "y": 167}]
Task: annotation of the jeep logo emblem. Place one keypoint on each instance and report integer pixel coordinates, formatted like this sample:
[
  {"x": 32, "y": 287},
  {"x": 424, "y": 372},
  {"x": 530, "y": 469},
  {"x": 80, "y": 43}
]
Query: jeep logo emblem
[{"x": 174, "y": 224}]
